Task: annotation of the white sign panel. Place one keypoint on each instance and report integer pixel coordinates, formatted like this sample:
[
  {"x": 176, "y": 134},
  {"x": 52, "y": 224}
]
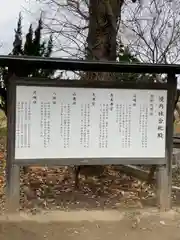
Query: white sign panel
[{"x": 61, "y": 122}]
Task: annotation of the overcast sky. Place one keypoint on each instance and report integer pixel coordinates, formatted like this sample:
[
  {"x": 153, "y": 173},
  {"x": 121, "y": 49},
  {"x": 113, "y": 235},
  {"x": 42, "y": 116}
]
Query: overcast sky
[{"x": 8, "y": 19}]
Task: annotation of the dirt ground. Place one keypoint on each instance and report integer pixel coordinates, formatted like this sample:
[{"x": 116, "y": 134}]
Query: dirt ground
[
  {"x": 45, "y": 190},
  {"x": 150, "y": 228},
  {"x": 53, "y": 190}
]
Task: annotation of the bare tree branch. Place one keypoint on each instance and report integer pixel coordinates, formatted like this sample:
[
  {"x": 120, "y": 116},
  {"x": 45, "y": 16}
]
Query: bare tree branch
[{"x": 155, "y": 30}]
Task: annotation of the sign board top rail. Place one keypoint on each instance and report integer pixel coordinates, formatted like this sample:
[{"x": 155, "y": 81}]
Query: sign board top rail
[
  {"x": 83, "y": 65},
  {"x": 25, "y": 81}
]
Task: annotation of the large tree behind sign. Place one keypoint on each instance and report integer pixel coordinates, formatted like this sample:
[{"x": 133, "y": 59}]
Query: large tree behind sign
[
  {"x": 85, "y": 28},
  {"x": 33, "y": 46}
]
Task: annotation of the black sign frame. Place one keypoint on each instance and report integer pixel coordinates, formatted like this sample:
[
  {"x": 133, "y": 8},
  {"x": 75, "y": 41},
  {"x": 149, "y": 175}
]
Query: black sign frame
[{"x": 14, "y": 81}]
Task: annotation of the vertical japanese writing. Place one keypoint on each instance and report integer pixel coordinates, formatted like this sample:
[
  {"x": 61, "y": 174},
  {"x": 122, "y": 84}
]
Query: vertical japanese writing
[
  {"x": 54, "y": 98},
  {"x": 161, "y": 113},
  {"x": 85, "y": 125},
  {"x": 134, "y": 100},
  {"x": 18, "y": 123},
  {"x": 151, "y": 105},
  {"x": 74, "y": 97},
  {"x": 111, "y": 101},
  {"x": 23, "y": 124},
  {"x": 119, "y": 116},
  {"x": 129, "y": 126},
  {"x": 126, "y": 125},
  {"x": 93, "y": 99},
  {"x": 123, "y": 125},
  {"x": 34, "y": 97},
  {"x": 29, "y": 124},
  {"x": 143, "y": 125},
  {"x": 103, "y": 126},
  {"x": 45, "y": 122},
  {"x": 65, "y": 112},
  {"x": 67, "y": 127}
]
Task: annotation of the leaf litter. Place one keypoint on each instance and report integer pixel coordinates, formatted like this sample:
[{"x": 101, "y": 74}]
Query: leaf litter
[{"x": 53, "y": 188}]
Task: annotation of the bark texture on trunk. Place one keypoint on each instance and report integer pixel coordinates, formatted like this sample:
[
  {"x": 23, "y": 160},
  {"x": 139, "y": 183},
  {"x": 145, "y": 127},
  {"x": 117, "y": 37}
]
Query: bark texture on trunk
[
  {"x": 103, "y": 18},
  {"x": 101, "y": 39}
]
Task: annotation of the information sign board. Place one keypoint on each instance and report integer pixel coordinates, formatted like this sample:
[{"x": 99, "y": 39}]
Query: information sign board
[{"x": 72, "y": 122}]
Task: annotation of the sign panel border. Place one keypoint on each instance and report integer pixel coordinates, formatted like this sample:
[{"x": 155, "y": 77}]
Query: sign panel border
[{"x": 15, "y": 81}]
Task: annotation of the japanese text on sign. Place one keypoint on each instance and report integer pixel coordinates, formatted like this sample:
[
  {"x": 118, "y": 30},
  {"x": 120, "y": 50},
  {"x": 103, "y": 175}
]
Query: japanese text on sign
[{"x": 59, "y": 122}]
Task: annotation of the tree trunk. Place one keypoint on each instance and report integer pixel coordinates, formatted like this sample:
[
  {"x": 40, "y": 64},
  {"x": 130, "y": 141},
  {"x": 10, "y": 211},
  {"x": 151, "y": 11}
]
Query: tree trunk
[
  {"x": 101, "y": 39},
  {"x": 103, "y": 18}
]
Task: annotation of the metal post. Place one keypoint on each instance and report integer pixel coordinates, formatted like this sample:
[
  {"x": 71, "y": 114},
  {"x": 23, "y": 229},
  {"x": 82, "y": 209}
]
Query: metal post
[
  {"x": 164, "y": 172},
  {"x": 12, "y": 171}
]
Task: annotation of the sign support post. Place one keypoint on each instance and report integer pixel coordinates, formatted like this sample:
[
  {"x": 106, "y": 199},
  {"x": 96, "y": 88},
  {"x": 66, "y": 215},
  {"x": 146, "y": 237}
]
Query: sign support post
[
  {"x": 12, "y": 169},
  {"x": 164, "y": 173}
]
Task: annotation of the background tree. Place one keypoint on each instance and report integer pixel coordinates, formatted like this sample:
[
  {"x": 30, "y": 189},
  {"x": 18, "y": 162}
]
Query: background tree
[
  {"x": 33, "y": 46},
  {"x": 152, "y": 31},
  {"x": 84, "y": 29},
  {"x": 126, "y": 56}
]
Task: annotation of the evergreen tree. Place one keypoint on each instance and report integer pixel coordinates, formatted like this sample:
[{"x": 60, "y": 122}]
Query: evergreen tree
[
  {"x": 28, "y": 49},
  {"x": 125, "y": 56},
  {"x": 33, "y": 46},
  {"x": 17, "y": 44},
  {"x": 47, "y": 53}
]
